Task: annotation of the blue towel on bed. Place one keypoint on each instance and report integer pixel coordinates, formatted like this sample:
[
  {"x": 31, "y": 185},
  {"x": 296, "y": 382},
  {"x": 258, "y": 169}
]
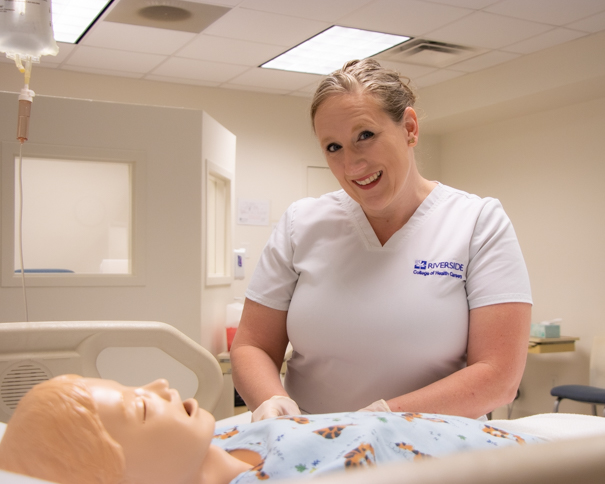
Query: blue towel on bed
[{"x": 316, "y": 444}]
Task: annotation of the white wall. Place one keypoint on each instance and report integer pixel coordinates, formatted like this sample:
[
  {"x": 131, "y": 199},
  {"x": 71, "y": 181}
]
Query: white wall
[
  {"x": 171, "y": 142},
  {"x": 542, "y": 154}
]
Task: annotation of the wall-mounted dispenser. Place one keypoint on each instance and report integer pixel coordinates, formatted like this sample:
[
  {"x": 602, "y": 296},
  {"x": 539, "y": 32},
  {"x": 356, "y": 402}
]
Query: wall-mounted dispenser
[{"x": 239, "y": 264}]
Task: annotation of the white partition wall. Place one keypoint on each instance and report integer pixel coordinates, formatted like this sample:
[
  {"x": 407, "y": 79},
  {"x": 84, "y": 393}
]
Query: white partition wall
[{"x": 165, "y": 145}]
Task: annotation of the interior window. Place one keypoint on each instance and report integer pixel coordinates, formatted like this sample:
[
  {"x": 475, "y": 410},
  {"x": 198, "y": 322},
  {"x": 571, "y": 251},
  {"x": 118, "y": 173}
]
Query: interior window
[{"x": 76, "y": 216}]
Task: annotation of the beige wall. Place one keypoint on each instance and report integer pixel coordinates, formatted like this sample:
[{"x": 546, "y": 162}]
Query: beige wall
[
  {"x": 542, "y": 153},
  {"x": 548, "y": 171}
]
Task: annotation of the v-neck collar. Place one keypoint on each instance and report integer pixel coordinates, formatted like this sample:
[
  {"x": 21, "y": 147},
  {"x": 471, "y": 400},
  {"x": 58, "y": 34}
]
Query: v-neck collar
[{"x": 366, "y": 232}]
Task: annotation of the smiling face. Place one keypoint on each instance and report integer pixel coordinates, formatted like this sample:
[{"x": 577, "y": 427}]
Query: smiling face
[
  {"x": 369, "y": 153},
  {"x": 163, "y": 438}
]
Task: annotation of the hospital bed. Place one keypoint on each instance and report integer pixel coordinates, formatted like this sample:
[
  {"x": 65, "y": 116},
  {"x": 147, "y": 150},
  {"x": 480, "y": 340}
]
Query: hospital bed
[
  {"x": 576, "y": 452},
  {"x": 34, "y": 352}
]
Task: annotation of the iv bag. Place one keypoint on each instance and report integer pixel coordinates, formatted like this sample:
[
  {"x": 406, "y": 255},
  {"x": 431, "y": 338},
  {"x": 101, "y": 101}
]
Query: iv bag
[{"x": 26, "y": 29}]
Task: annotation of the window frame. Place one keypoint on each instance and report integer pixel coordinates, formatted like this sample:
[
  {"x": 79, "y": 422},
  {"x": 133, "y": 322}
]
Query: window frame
[{"x": 137, "y": 162}]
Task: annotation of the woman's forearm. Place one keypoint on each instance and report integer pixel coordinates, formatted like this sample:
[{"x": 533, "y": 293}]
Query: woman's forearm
[
  {"x": 471, "y": 392},
  {"x": 255, "y": 375},
  {"x": 496, "y": 356},
  {"x": 257, "y": 353}
]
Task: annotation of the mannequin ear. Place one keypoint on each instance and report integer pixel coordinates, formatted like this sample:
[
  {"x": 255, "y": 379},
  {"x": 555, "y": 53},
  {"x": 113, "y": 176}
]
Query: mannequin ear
[{"x": 410, "y": 124}]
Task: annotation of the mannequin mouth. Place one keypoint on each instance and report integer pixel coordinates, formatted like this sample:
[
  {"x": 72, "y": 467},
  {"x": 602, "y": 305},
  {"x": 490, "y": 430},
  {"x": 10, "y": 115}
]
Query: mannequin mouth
[
  {"x": 190, "y": 405},
  {"x": 370, "y": 180}
]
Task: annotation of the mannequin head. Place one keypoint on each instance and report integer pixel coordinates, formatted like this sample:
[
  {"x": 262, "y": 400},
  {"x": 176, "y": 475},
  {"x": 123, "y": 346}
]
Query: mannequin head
[
  {"x": 56, "y": 434},
  {"x": 86, "y": 430}
]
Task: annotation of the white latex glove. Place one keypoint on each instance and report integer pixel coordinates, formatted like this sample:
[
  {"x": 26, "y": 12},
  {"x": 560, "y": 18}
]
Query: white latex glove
[
  {"x": 276, "y": 406},
  {"x": 379, "y": 406}
]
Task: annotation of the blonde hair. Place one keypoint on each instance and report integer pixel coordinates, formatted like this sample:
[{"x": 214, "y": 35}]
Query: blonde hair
[
  {"x": 367, "y": 76},
  {"x": 56, "y": 434}
]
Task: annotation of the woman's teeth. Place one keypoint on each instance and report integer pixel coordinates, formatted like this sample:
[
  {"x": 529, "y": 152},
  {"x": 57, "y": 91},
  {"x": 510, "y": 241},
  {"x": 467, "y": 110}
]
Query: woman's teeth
[{"x": 369, "y": 179}]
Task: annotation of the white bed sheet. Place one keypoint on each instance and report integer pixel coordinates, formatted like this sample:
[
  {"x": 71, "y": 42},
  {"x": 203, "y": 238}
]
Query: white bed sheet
[{"x": 551, "y": 426}]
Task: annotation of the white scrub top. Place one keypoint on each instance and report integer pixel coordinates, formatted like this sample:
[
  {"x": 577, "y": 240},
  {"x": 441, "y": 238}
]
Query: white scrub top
[{"x": 368, "y": 321}]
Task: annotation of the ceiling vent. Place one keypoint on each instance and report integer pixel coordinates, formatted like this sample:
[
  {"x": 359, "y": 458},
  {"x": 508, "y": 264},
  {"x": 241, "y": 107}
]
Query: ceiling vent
[
  {"x": 166, "y": 14},
  {"x": 429, "y": 53}
]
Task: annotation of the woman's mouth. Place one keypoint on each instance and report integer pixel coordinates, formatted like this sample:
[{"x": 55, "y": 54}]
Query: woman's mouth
[
  {"x": 370, "y": 179},
  {"x": 190, "y": 406}
]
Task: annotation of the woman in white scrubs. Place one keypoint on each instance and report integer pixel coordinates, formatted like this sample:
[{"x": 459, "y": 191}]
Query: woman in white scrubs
[{"x": 396, "y": 292}]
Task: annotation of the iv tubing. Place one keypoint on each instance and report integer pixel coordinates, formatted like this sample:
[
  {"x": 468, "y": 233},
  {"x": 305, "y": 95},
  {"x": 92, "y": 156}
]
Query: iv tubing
[{"x": 20, "y": 230}]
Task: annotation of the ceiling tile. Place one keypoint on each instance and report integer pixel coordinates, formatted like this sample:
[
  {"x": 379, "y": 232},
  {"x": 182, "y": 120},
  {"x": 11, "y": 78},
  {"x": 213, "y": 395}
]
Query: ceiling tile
[
  {"x": 274, "y": 79},
  {"x": 544, "y": 41},
  {"x": 484, "y": 61},
  {"x": 254, "y": 31},
  {"x": 554, "y": 12},
  {"x": 436, "y": 77},
  {"x": 311, "y": 9},
  {"x": 403, "y": 17},
  {"x": 64, "y": 51},
  {"x": 197, "y": 69},
  {"x": 474, "y": 4},
  {"x": 136, "y": 38},
  {"x": 488, "y": 30},
  {"x": 411, "y": 71},
  {"x": 224, "y": 3},
  {"x": 265, "y": 90},
  {"x": 265, "y": 27},
  {"x": 115, "y": 60},
  {"x": 101, "y": 72},
  {"x": 304, "y": 94},
  {"x": 230, "y": 51},
  {"x": 178, "y": 80},
  {"x": 594, "y": 23},
  {"x": 311, "y": 88}
]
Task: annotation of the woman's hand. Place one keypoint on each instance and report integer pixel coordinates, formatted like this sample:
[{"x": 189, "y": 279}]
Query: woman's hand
[
  {"x": 378, "y": 406},
  {"x": 276, "y": 406}
]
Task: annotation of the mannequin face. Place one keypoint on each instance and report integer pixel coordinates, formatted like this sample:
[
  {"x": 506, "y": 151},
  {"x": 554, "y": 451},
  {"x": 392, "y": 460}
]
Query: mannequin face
[{"x": 164, "y": 439}]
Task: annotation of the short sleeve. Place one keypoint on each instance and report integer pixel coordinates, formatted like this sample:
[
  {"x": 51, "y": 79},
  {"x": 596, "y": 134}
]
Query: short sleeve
[
  {"x": 274, "y": 278},
  {"x": 496, "y": 270}
]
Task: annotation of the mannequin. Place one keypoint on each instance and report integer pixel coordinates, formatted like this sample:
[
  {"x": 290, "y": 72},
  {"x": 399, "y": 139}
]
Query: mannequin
[{"x": 72, "y": 430}]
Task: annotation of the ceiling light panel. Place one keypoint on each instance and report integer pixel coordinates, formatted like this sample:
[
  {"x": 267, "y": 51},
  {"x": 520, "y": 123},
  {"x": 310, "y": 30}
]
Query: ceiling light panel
[
  {"x": 71, "y": 18},
  {"x": 330, "y": 49}
]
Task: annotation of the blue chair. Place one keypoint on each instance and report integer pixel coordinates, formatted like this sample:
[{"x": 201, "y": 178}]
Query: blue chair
[{"x": 594, "y": 393}]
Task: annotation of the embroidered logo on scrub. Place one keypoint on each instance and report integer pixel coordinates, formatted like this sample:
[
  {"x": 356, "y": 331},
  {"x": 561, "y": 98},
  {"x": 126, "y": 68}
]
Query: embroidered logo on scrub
[{"x": 450, "y": 269}]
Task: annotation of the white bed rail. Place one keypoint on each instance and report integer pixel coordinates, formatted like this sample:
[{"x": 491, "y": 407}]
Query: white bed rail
[{"x": 34, "y": 352}]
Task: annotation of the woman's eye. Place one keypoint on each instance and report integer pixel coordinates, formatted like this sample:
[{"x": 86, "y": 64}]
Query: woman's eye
[
  {"x": 333, "y": 147},
  {"x": 366, "y": 135}
]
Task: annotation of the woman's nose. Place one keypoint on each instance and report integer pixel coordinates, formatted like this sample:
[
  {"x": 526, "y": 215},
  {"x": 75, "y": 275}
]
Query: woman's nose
[
  {"x": 160, "y": 387},
  {"x": 354, "y": 163}
]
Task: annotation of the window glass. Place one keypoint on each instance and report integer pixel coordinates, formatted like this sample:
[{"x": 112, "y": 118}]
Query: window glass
[{"x": 77, "y": 216}]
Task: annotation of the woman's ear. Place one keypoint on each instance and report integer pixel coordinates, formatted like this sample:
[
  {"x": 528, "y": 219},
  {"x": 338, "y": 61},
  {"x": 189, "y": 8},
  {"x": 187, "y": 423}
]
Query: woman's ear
[{"x": 410, "y": 124}]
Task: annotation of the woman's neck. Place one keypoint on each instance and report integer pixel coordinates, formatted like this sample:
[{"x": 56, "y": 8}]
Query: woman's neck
[
  {"x": 386, "y": 224},
  {"x": 219, "y": 467}
]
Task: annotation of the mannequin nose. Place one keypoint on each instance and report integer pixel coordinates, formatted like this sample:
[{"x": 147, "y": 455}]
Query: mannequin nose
[{"x": 160, "y": 387}]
